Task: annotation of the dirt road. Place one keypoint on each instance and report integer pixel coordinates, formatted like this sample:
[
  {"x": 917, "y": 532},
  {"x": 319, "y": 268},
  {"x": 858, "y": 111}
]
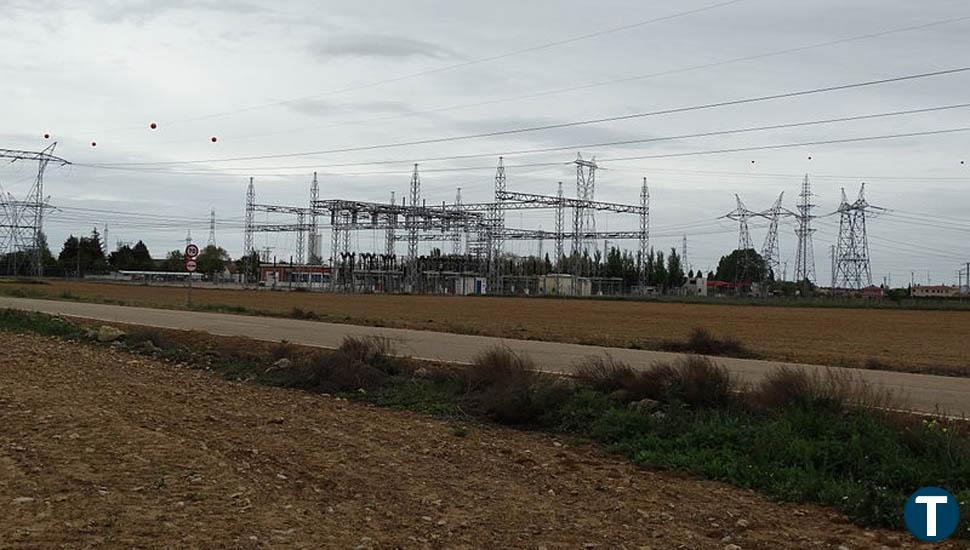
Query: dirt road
[
  {"x": 100, "y": 447},
  {"x": 923, "y": 393}
]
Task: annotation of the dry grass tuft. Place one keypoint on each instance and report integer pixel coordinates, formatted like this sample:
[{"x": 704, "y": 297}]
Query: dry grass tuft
[
  {"x": 703, "y": 342},
  {"x": 833, "y": 388},
  {"x": 694, "y": 380}
]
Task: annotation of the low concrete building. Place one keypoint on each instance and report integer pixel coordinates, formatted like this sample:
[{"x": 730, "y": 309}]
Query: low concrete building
[
  {"x": 307, "y": 276},
  {"x": 696, "y": 286},
  {"x": 565, "y": 284},
  {"x": 466, "y": 285},
  {"x": 935, "y": 291}
]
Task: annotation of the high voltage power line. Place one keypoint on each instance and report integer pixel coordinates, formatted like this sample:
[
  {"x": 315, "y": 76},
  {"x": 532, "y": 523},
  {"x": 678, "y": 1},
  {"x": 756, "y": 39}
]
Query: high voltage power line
[
  {"x": 554, "y": 126},
  {"x": 613, "y": 159},
  {"x": 635, "y": 78},
  {"x": 587, "y": 146}
]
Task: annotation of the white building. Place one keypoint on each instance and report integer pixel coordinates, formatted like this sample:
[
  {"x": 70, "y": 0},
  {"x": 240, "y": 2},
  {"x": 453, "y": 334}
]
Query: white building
[{"x": 696, "y": 286}]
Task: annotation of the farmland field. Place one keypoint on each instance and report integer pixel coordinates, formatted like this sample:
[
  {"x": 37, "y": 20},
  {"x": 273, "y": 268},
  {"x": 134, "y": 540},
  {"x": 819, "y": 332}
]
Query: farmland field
[
  {"x": 916, "y": 340},
  {"x": 101, "y": 447}
]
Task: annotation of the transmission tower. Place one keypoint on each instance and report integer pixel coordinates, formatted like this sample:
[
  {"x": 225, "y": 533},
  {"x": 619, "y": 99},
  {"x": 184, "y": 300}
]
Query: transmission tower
[
  {"x": 212, "y": 227},
  {"x": 770, "y": 250},
  {"x": 584, "y": 218},
  {"x": 644, "y": 232},
  {"x": 683, "y": 253},
  {"x": 314, "y": 229},
  {"x": 456, "y": 227},
  {"x": 301, "y": 237},
  {"x": 741, "y": 214},
  {"x": 495, "y": 231},
  {"x": 852, "y": 267},
  {"x": 560, "y": 211},
  {"x": 805, "y": 255},
  {"x": 248, "y": 247},
  {"x": 411, "y": 223},
  {"x": 30, "y": 212}
]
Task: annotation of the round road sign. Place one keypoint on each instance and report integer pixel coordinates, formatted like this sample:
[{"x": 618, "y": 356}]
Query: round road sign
[
  {"x": 191, "y": 265},
  {"x": 191, "y": 250}
]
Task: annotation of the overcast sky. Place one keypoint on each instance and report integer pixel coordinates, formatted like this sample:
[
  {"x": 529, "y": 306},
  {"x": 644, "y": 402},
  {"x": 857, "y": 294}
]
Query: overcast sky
[{"x": 267, "y": 78}]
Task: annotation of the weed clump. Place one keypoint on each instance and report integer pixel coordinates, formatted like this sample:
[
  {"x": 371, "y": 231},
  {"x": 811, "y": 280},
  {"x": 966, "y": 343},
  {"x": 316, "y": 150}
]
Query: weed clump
[
  {"x": 506, "y": 387},
  {"x": 306, "y": 314},
  {"x": 832, "y": 389},
  {"x": 703, "y": 342},
  {"x": 358, "y": 364},
  {"x": 694, "y": 381}
]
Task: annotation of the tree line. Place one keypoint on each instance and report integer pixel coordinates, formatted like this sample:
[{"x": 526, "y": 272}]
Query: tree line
[{"x": 82, "y": 255}]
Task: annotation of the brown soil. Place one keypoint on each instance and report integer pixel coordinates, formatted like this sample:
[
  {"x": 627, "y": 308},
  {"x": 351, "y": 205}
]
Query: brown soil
[
  {"x": 101, "y": 447},
  {"x": 920, "y": 341}
]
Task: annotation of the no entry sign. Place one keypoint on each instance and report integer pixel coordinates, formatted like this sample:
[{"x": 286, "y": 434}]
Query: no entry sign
[
  {"x": 191, "y": 265},
  {"x": 191, "y": 251}
]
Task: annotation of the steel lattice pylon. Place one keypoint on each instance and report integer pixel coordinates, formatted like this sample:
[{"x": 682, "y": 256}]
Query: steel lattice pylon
[
  {"x": 28, "y": 215},
  {"x": 313, "y": 234},
  {"x": 770, "y": 251},
  {"x": 742, "y": 214},
  {"x": 644, "y": 232},
  {"x": 852, "y": 268},
  {"x": 805, "y": 254},
  {"x": 412, "y": 224}
]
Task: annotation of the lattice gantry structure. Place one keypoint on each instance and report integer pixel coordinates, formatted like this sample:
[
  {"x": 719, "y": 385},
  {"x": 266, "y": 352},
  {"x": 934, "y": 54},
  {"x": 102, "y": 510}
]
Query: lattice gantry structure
[
  {"x": 475, "y": 232},
  {"x": 22, "y": 221}
]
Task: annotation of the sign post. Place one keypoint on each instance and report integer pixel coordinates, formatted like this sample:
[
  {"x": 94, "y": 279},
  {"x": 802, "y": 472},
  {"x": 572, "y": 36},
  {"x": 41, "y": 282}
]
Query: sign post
[{"x": 191, "y": 265}]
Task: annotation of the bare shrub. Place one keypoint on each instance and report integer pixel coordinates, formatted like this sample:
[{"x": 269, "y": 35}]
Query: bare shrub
[
  {"x": 500, "y": 367},
  {"x": 697, "y": 381},
  {"x": 703, "y": 342},
  {"x": 506, "y": 387},
  {"x": 332, "y": 372},
  {"x": 694, "y": 380},
  {"x": 605, "y": 374},
  {"x": 833, "y": 388}
]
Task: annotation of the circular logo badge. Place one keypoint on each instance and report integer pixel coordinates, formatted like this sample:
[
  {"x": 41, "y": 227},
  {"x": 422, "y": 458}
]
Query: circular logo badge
[{"x": 931, "y": 514}]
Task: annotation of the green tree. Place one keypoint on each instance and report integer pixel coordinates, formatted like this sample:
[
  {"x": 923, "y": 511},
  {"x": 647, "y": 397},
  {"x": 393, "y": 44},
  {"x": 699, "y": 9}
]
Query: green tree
[
  {"x": 743, "y": 265},
  {"x": 174, "y": 261},
  {"x": 658, "y": 275},
  {"x": 141, "y": 257},
  {"x": 212, "y": 260},
  {"x": 675, "y": 271},
  {"x": 122, "y": 259},
  {"x": 248, "y": 266},
  {"x": 83, "y": 255}
]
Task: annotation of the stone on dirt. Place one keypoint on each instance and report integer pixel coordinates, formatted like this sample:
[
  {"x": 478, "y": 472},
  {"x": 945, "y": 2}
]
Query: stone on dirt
[
  {"x": 108, "y": 333},
  {"x": 644, "y": 405}
]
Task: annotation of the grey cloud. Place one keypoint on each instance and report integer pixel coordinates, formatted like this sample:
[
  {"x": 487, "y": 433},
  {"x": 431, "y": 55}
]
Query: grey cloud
[{"x": 378, "y": 45}]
